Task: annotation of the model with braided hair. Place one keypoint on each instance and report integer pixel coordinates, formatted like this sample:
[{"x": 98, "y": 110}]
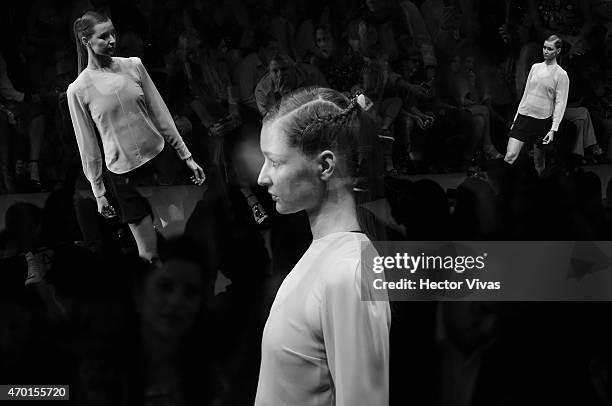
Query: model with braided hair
[{"x": 324, "y": 343}]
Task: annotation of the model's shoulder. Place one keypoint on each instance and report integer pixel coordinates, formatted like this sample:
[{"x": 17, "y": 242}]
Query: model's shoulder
[
  {"x": 127, "y": 62},
  {"x": 78, "y": 83},
  {"x": 344, "y": 256}
]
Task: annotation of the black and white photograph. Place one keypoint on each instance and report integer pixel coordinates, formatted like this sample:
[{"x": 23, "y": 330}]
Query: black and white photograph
[{"x": 306, "y": 202}]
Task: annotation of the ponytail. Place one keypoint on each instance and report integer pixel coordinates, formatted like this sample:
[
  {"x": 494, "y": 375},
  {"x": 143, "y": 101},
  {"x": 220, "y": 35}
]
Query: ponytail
[
  {"x": 80, "y": 48},
  {"x": 83, "y": 27}
]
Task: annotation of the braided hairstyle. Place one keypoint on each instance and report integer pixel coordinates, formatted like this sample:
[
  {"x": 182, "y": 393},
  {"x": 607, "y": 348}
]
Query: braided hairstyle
[
  {"x": 83, "y": 27},
  {"x": 315, "y": 119}
]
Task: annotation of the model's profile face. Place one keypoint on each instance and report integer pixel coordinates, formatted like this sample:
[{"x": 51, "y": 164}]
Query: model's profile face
[
  {"x": 291, "y": 177},
  {"x": 103, "y": 40},
  {"x": 171, "y": 297},
  {"x": 550, "y": 51}
]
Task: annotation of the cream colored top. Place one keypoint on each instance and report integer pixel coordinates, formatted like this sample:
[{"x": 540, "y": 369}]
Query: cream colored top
[
  {"x": 323, "y": 345},
  {"x": 123, "y": 104},
  {"x": 545, "y": 93}
]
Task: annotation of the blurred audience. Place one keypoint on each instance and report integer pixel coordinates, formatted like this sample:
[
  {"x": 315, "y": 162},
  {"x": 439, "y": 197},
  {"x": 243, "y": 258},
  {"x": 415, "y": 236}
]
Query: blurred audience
[{"x": 442, "y": 77}]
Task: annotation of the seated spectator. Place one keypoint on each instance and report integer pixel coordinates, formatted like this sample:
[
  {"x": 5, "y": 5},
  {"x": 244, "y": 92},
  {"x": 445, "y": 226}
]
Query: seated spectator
[
  {"x": 46, "y": 36},
  {"x": 449, "y": 23},
  {"x": 381, "y": 85},
  {"x": 175, "y": 17},
  {"x": 581, "y": 96},
  {"x": 585, "y": 141},
  {"x": 570, "y": 19},
  {"x": 340, "y": 65},
  {"x": 468, "y": 94},
  {"x": 203, "y": 93},
  {"x": 252, "y": 68},
  {"x": 283, "y": 24},
  {"x": 200, "y": 82},
  {"x": 25, "y": 115},
  {"x": 428, "y": 123},
  {"x": 391, "y": 28},
  {"x": 600, "y": 108},
  {"x": 284, "y": 76}
]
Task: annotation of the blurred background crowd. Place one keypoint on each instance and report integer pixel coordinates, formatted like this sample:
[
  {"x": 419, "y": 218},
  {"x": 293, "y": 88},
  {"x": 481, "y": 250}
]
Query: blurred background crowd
[{"x": 444, "y": 78}]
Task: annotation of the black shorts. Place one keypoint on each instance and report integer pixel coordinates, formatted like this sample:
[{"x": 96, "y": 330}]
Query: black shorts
[
  {"x": 122, "y": 192},
  {"x": 529, "y": 129}
]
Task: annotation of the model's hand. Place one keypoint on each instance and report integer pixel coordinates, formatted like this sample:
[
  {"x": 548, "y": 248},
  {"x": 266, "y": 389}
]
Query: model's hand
[
  {"x": 549, "y": 138},
  {"x": 104, "y": 208},
  {"x": 198, "y": 176}
]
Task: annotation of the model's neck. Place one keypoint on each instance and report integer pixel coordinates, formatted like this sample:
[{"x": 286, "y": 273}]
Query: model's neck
[
  {"x": 337, "y": 213},
  {"x": 551, "y": 62},
  {"x": 98, "y": 61}
]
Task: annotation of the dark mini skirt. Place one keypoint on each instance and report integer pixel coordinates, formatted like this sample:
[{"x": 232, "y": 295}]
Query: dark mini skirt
[
  {"x": 529, "y": 129},
  {"x": 122, "y": 192}
]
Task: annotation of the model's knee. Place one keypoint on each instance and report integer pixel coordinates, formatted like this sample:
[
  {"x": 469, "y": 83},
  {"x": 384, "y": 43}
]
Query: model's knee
[{"x": 510, "y": 157}]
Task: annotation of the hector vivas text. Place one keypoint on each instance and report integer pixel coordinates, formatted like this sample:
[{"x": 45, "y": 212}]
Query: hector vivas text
[{"x": 411, "y": 264}]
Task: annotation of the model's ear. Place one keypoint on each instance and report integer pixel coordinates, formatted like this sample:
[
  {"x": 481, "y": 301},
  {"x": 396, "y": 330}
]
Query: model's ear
[
  {"x": 84, "y": 41},
  {"x": 327, "y": 164}
]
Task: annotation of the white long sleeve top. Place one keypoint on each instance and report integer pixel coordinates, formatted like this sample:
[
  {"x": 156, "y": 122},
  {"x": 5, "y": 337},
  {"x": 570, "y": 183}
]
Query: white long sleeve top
[
  {"x": 322, "y": 344},
  {"x": 545, "y": 93},
  {"x": 125, "y": 107}
]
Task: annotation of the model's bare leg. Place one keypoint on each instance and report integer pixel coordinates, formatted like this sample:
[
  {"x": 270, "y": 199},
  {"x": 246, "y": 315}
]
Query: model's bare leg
[
  {"x": 513, "y": 150},
  {"x": 146, "y": 239}
]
